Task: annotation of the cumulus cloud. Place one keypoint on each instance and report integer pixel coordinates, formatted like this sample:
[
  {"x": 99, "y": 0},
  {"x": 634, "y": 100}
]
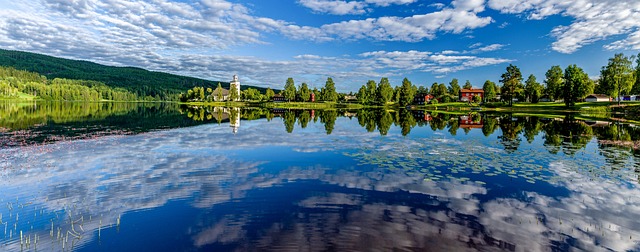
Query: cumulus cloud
[
  {"x": 594, "y": 20},
  {"x": 341, "y": 7},
  {"x": 438, "y": 63},
  {"x": 191, "y": 38}
]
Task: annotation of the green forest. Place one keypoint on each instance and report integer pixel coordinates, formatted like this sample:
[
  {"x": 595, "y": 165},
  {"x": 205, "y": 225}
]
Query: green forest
[
  {"x": 16, "y": 84},
  {"x": 143, "y": 83}
]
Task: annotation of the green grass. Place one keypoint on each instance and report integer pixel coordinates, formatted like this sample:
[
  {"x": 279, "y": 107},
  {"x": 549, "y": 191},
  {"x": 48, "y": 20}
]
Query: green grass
[{"x": 300, "y": 105}]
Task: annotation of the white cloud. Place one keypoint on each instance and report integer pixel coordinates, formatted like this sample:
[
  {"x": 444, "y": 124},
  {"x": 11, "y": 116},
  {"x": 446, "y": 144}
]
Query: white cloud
[
  {"x": 594, "y": 20},
  {"x": 438, "y": 63},
  {"x": 341, "y": 7}
]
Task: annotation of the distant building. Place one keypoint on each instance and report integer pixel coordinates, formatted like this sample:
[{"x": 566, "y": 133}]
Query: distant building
[
  {"x": 220, "y": 94},
  {"x": 468, "y": 94},
  {"x": 597, "y": 98},
  {"x": 545, "y": 98},
  {"x": 235, "y": 83},
  {"x": 313, "y": 97},
  {"x": 422, "y": 99},
  {"x": 350, "y": 98},
  {"x": 278, "y": 98}
]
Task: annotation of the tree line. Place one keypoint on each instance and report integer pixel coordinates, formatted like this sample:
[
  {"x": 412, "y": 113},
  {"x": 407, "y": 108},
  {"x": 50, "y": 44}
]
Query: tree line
[
  {"x": 14, "y": 82},
  {"x": 143, "y": 83},
  {"x": 571, "y": 85}
]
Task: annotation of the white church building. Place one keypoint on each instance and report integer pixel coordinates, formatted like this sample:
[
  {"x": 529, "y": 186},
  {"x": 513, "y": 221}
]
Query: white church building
[{"x": 222, "y": 94}]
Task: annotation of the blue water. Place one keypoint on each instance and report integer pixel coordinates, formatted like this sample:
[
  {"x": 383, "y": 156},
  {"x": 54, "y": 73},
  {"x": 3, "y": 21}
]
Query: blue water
[{"x": 205, "y": 188}]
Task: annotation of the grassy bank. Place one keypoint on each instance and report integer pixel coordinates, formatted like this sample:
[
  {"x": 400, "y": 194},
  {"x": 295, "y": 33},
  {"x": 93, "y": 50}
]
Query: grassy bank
[{"x": 293, "y": 105}]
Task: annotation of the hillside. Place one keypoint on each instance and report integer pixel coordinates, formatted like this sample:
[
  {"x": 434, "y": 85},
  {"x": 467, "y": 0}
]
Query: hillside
[{"x": 139, "y": 81}]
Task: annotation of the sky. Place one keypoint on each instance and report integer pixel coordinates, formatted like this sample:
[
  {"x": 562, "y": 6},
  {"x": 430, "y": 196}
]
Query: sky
[{"x": 351, "y": 41}]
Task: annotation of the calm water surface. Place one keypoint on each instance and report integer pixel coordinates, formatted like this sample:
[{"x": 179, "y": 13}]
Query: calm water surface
[{"x": 163, "y": 178}]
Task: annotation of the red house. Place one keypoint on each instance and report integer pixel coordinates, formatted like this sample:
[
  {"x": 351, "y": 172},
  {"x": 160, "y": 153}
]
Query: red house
[
  {"x": 313, "y": 97},
  {"x": 421, "y": 99},
  {"x": 468, "y": 94}
]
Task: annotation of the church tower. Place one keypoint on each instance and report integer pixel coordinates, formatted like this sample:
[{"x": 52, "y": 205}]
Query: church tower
[{"x": 237, "y": 85}]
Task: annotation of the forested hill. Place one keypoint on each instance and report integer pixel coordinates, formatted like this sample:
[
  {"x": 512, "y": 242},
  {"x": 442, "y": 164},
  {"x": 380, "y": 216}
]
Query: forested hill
[{"x": 139, "y": 81}]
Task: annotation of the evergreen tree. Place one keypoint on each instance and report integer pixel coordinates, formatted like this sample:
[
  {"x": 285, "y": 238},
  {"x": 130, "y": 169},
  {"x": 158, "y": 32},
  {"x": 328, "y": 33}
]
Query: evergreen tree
[
  {"x": 330, "y": 93},
  {"x": 406, "y": 92},
  {"x": 512, "y": 82},
  {"x": 467, "y": 85},
  {"x": 454, "y": 88}
]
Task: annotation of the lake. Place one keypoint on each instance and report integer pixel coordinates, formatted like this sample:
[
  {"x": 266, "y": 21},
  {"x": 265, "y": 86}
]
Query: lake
[{"x": 163, "y": 177}]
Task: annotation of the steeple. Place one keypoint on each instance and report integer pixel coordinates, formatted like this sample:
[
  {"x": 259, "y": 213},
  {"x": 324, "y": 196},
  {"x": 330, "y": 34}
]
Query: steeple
[{"x": 237, "y": 84}]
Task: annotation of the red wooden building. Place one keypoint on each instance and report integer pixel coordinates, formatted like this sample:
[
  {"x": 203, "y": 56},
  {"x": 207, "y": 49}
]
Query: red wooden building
[{"x": 468, "y": 94}]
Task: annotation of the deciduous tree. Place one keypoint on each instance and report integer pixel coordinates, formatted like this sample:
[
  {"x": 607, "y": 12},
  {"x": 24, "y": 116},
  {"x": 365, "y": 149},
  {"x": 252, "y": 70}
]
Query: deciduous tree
[
  {"x": 384, "y": 91},
  {"x": 489, "y": 90},
  {"x": 617, "y": 77},
  {"x": 532, "y": 89},
  {"x": 577, "y": 85},
  {"x": 554, "y": 79},
  {"x": 289, "y": 91}
]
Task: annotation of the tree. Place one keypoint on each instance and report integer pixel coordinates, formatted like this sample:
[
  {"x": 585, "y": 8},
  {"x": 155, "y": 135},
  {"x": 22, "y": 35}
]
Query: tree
[
  {"x": 233, "y": 93},
  {"x": 577, "y": 85},
  {"x": 269, "y": 94},
  {"x": 219, "y": 96},
  {"x": 617, "y": 77},
  {"x": 467, "y": 85},
  {"x": 554, "y": 81},
  {"x": 435, "y": 91},
  {"x": 329, "y": 93},
  {"x": 406, "y": 92},
  {"x": 477, "y": 99},
  {"x": 454, "y": 88},
  {"x": 511, "y": 82},
  {"x": 636, "y": 86},
  {"x": 362, "y": 95},
  {"x": 289, "y": 91},
  {"x": 371, "y": 92},
  {"x": 304, "y": 92},
  {"x": 384, "y": 91},
  {"x": 532, "y": 89},
  {"x": 489, "y": 90},
  {"x": 251, "y": 94}
]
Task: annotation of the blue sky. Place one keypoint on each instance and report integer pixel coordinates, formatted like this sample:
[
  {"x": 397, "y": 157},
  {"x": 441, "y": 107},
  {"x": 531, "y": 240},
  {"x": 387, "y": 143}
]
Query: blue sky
[{"x": 352, "y": 41}]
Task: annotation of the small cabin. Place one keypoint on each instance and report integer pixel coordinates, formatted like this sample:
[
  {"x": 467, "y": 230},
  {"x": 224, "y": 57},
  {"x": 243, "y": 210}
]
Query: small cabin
[{"x": 597, "y": 98}]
